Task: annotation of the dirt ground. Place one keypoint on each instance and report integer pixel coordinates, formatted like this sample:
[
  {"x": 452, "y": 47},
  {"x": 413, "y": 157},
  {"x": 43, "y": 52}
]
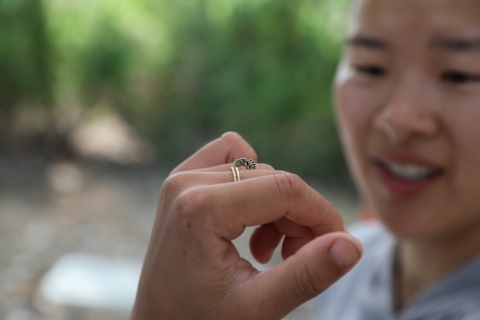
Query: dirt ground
[{"x": 48, "y": 209}]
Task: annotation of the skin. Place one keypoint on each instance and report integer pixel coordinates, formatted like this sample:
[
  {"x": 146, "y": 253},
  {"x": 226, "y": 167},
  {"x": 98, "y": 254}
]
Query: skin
[
  {"x": 193, "y": 271},
  {"x": 414, "y": 67},
  {"x": 411, "y": 68}
]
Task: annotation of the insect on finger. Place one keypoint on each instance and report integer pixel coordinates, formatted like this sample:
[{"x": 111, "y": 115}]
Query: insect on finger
[{"x": 244, "y": 162}]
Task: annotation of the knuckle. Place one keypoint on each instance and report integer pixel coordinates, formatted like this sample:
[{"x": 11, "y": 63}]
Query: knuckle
[
  {"x": 333, "y": 211},
  {"x": 190, "y": 203},
  {"x": 173, "y": 184},
  {"x": 289, "y": 185},
  {"x": 307, "y": 285},
  {"x": 241, "y": 145},
  {"x": 232, "y": 137}
]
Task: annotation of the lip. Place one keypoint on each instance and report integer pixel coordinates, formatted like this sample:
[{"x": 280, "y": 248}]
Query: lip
[
  {"x": 406, "y": 158},
  {"x": 404, "y": 188}
]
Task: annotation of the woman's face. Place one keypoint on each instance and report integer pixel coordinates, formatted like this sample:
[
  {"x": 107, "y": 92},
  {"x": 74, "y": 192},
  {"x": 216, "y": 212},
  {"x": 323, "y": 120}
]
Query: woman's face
[{"x": 408, "y": 105}]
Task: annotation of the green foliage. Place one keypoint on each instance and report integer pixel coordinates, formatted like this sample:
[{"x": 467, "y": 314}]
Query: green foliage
[
  {"x": 265, "y": 74},
  {"x": 183, "y": 72},
  {"x": 25, "y": 74}
]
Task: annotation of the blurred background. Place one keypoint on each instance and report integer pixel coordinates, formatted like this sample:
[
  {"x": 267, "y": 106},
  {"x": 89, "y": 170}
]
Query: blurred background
[{"x": 100, "y": 99}]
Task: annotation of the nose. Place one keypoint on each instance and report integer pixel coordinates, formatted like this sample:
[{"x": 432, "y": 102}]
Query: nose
[{"x": 408, "y": 112}]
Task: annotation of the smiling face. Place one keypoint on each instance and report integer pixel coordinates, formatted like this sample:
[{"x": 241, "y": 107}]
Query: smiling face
[{"x": 408, "y": 106}]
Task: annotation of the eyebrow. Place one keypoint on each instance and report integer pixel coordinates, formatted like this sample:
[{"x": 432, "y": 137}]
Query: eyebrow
[
  {"x": 451, "y": 44},
  {"x": 363, "y": 41},
  {"x": 460, "y": 44}
]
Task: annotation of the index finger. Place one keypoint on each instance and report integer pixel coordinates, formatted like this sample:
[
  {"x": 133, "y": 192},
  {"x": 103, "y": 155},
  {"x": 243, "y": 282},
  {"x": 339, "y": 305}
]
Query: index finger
[
  {"x": 262, "y": 200},
  {"x": 220, "y": 151}
]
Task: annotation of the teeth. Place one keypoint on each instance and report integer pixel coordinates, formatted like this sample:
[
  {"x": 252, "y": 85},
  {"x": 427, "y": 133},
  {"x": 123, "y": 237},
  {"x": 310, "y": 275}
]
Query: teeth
[{"x": 409, "y": 171}]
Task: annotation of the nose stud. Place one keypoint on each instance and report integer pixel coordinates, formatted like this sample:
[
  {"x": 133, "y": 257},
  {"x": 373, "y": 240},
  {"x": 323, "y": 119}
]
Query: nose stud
[
  {"x": 397, "y": 138},
  {"x": 393, "y": 136}
]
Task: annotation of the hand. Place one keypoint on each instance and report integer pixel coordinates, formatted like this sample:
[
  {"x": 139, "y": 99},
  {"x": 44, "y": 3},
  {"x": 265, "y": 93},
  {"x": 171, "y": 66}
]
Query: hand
[{"x": 193, "y": 271}]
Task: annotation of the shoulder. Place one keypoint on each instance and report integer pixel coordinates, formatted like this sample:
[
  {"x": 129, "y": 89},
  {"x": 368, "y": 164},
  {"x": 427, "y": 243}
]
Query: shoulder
[
  {"x": 378, "y": 246},
  {"x": 369, "y": 232}
]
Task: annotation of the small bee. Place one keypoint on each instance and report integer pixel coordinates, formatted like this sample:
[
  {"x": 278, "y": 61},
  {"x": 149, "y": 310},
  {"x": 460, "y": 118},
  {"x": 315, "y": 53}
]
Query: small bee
[{"x": 244, "y": 162}]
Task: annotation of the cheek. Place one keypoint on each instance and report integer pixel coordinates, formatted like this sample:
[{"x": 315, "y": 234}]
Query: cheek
[
  {"x": 356, "y": 109},
  {"x": 465, "y": 140},
  {"x": 461, "y": 120},
  {"x": 355, "y": 114},
  {"x": 358, "y": 103}
]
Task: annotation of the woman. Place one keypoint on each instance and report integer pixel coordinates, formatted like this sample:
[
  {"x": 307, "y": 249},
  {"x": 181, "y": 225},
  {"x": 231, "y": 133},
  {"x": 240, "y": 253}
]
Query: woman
[{"x": 408, "y": 105}]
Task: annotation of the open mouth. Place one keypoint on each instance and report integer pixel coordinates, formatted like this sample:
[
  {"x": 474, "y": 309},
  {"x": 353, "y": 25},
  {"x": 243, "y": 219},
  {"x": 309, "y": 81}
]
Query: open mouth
[
  {"x": 407, "y": 179},
  {"x": 409, "y": 171}
]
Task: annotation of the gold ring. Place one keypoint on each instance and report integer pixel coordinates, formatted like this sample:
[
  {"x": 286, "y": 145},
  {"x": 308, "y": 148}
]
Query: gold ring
[{"x": 236, "y": 174}]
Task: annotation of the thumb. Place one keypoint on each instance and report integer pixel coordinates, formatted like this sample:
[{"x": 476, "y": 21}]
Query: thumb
[{"x": 309, "y": 272}]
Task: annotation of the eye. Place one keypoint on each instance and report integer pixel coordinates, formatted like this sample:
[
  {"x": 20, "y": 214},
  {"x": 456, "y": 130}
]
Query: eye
[
  {"x": 371, "y": 70},
  {"x": 458, "y": 77}
]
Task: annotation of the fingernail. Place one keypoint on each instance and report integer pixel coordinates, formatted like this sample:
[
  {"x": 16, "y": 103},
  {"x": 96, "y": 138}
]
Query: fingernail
[
  {"x": 269, "y": 256},
  {"x": 344, "y": 253}
]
